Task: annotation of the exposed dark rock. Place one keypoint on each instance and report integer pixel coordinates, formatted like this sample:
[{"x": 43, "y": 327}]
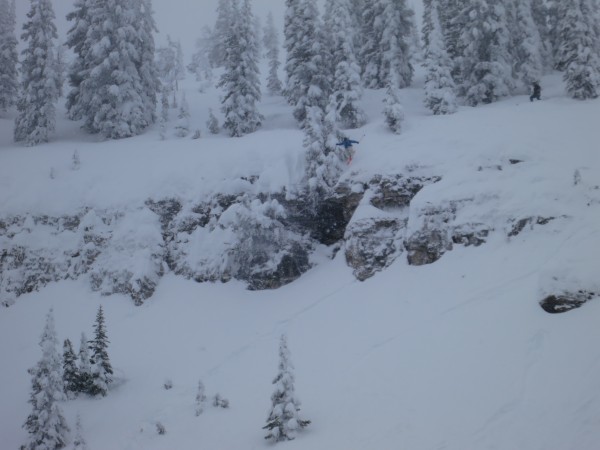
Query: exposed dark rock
[
  {"x": 325, "y": 222},
  {"x": 427, "y": 246},
  {"x": 372, "y": 245},
  {"x": 292, "y": 264},
  {"x": 520, "y": 224},
  {"x": 515, "y": 161},
  {"x": 396, "y": 191},
  {"x": 560, "y": 303},
  {"x": 166, "y": 209},
  {"x": 470, "y": 234}
]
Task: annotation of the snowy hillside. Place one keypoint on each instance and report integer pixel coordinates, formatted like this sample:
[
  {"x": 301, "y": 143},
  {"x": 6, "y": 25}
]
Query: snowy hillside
[{"x": 460, "y": 227}]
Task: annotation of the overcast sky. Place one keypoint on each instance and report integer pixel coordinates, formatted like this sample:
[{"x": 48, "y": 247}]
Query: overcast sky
[{"x": 182, "y": 19}]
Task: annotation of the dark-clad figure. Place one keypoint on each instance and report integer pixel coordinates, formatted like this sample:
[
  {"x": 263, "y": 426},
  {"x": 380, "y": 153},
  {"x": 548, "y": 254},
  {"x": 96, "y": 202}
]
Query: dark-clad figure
[{"x": 537, "y": 91}]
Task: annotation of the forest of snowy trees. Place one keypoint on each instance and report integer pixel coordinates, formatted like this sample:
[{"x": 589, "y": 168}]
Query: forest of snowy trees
[{"x": 474, "y": 52}]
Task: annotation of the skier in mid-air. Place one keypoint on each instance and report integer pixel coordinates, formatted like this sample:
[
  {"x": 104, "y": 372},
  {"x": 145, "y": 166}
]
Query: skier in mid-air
[
  {"x": 347, "y": 144},
  {"x": 537, "y": 91}
]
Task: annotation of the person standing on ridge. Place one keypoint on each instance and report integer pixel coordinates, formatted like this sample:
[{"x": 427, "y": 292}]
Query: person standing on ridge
[{"x": 537, "y": 91}]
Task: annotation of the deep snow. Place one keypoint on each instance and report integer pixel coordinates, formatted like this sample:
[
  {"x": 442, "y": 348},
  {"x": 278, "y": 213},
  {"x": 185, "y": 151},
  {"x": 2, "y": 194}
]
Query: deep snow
[{"x": 456, "y": 355}]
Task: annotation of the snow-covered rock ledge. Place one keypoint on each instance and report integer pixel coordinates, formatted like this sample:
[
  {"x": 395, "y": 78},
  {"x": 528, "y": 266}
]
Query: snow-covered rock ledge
[{"x": 265, "y": 240}]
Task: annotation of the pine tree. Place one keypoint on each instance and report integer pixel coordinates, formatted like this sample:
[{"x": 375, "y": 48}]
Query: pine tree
[
  {"x": 9, "y": 82},
  {"x": 393, "y": 110},
  {"x": 346, "y": 84},
  {"x": 115, "y": 91},
  {"x": 35, "y": 121},
  {"x": 85, "y": 367},
  {"x": 148, "y": 72},
  {"x": 452, "y": 23},
  {"x": 168, "y": 65},
  {"x": 527, "y": 44},
  {"x": 200, "y": 64},
  {"x": 46, "y": 424},
  {"x": 200, "y": 398},
  {"x": 240, "y": 81},
  {"x": 284, "y": 420},
  {"x": 101, "y": 368},
  {"x": 182, "y": 128},
  {"x": 579, "y": 49},
  {"x": 271, "y": 43},
  {"x": 486, "y": 73},
  {"x": 71, "y": 377},
  {"x": 440, "y": 95},
  {"x": 79, "y": 442},
  {"x": 212, "y": 123},
  {"x": 540, "y": 14},
  {"x": 76, "y": 41},
  {"x": 387, "y": 26},
  {"x": 307, "y": 63},
  {"x": 60, "y": 69},
  {"x": 325, "y": 161},
  {"x": 218, "y": 52},
  {"x": 164, "y": 115}
]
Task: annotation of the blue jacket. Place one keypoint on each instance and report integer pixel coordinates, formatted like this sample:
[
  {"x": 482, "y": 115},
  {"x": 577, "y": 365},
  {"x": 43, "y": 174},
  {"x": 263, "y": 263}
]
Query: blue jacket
[{"x": 347, "y": 143}]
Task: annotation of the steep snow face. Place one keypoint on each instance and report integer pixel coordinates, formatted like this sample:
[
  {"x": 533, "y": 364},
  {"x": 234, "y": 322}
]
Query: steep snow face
[{"x": 452, "y": 353}]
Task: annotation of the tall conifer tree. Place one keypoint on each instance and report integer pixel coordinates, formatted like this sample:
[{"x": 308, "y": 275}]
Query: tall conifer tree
[
  {"x": 102, "y": 371},
  {"x": 36, "y": 117},
  {"x": 46, "y": 424},
  {"x": 240, "y": 81},
  {"x": 8, "y": 55},
  {"x": 284, "y": 420},
  {"x": 486, "y": 73},
  {"x": 440, "y": 96},
  {"x": 346, "y": 83}
]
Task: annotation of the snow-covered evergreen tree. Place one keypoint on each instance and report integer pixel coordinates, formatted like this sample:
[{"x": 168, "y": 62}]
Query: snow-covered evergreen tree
[
  {"x": 393, "y": 110},
  {"x": 101, "y": 368},
  {"x": 346, "y": 82},
  {"x": 164, "y": 115},
  {"x": 307, "y": 63},
  {"x": 553, "y": 11},
  {"x": 8, "y": 55},
  {"x": 486, "y": 73},
  {"x": 38, "y": 93},
  {"x": 200, "y": 64},
  {"x": 182, "y": 128},
  {"x": 148, "y": 72},
  {"x": 85, "y": 366},
  {"x": 169, "y": 64},
  {"x": 452, "y": 23},
  {"x": 60, "y": 67},
  {"x": 77, "y": 42},
  {"x": 47, "y": 427},
  {"x": 527, "y": 44},
  {"x": 284, "y": 420},
  {"x": 271, "y": 43},
  {"x": 579, "y": 48},
  {"x": 325, "y": 162},
  {"x": 240, "y": 81},
  {"x": 213, "y": 123},
  {"x": 440, "y": 96},
  {"x": 387, "y": 27},
  {"x": 308, "y": 67},
  {"x": 79, "y": 442},
  {"x": 200, "y": 398},
  {"x": 71, "y": 377},
  {"x": 114, "y": 93},
  {"x": 217, "y": 55},
  {"x": 540, "y": 14}
]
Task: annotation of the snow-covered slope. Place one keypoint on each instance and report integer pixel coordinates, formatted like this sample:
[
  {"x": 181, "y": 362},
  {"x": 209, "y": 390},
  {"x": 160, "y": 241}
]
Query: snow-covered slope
[{"x": 456, "y": 354}]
